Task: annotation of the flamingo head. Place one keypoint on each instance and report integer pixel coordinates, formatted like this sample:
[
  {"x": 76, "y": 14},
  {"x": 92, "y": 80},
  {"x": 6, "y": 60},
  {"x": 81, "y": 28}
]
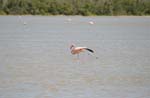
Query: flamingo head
[{"x": 72, "y": 46}]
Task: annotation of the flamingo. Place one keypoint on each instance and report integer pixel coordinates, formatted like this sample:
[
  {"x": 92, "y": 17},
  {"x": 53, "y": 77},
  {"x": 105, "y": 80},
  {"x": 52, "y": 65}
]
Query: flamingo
[
  {"x": 69, "y": 19},
  {"x": 91, "y": 22},
  {"x": 77, "y": 50}
]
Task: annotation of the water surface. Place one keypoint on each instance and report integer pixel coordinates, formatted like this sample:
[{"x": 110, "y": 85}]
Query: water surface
[{"x": 35, "y": 60}]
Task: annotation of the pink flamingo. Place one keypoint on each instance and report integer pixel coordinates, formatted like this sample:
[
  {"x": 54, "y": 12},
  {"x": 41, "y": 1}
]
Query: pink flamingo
[{"x": 77, "y": 50}]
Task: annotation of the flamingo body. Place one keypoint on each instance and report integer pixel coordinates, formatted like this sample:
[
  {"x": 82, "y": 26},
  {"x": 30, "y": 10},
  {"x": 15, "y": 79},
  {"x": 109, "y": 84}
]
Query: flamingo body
[{"x": 77, "y": 50}]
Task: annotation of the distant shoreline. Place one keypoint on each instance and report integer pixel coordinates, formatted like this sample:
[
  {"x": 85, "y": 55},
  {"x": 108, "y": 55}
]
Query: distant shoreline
[{"x": 75, "y": 7}]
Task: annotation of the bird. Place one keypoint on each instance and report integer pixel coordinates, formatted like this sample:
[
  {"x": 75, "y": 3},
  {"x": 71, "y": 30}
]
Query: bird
[
  {"x": 91, "y": 22},
  {"x": 24, "y": 23},
  {"x": 69, "y": 19},
  {"x": 76, "y": 50}
]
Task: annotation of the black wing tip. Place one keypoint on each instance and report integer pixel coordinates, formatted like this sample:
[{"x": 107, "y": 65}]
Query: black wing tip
[{"x": 90, "y": 50}]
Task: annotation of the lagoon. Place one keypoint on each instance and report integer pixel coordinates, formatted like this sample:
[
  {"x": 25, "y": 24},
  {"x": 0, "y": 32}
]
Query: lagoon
[{"x": 35, "y": 60}]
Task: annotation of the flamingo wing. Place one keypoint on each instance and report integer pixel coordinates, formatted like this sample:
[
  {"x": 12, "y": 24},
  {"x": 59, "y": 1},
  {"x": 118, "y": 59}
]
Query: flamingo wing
[{"x": 84, "y": 48}]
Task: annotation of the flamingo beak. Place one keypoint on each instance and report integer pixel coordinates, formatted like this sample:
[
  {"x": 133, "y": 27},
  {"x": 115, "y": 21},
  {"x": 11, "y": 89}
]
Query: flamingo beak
[{"x": 71, "y": 46}]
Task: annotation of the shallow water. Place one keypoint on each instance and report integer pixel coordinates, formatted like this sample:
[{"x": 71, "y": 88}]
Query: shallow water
[{"x": 35, "y": 60}]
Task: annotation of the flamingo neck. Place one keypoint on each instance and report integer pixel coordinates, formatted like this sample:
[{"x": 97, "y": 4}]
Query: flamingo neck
[{"x": 72, "y": 47}]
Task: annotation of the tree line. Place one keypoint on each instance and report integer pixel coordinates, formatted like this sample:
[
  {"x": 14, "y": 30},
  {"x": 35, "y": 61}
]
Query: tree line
[{"x": 75, "y": 7}]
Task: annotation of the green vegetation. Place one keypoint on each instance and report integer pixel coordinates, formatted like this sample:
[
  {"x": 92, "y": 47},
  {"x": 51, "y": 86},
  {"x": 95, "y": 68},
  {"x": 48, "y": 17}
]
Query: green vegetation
[{"x": 75, "y": 7}]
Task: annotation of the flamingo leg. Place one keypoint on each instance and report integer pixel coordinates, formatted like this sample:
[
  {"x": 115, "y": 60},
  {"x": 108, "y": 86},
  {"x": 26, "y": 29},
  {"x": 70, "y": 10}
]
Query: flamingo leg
[{"x": 78, "y": 56}]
